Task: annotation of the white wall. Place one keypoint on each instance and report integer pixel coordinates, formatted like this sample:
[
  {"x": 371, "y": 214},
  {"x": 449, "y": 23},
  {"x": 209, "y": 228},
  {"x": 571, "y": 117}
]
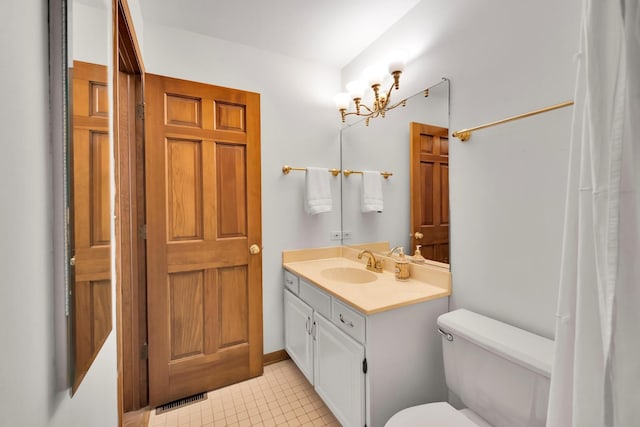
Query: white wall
[
  {"x": 90, "y": 41},
  {"x": 138, "y": 24},
  {"x": 28, "y": 395},
  {"x": 508, "y": 182},
  {"x": 299, "y": 127}
]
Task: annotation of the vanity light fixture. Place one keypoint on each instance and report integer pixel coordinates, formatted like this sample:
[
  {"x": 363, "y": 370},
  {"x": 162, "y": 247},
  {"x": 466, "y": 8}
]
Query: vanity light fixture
[{"x": 374, "y": 76}]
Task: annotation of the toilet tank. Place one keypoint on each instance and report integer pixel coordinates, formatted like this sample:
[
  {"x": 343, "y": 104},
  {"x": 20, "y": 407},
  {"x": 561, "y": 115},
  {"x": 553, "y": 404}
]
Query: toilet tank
[{"x": 500, "y": 372}]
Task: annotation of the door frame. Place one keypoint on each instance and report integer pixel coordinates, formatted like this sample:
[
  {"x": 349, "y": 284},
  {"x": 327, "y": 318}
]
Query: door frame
[{"x": 130, "y": 260}]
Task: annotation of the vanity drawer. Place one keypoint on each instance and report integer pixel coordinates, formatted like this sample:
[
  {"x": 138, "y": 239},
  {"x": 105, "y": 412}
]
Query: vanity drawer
[
  {"x": 291, "y": 281},
  {"x": 349, "y": 320},
  {"x": 317, "y": 299}
]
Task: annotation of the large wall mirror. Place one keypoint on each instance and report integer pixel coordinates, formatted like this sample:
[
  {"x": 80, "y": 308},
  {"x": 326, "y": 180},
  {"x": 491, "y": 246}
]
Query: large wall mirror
[
  {"x": 410, "y": 140},
  {"x": 89, "y": 157}
]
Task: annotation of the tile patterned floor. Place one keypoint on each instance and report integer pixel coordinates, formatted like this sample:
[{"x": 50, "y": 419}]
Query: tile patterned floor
[{"x": 281, "y": 397}]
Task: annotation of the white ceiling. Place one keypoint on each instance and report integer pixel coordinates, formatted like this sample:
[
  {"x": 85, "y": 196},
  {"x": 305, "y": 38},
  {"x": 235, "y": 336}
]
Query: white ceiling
[{"x": 331, "y": 32}]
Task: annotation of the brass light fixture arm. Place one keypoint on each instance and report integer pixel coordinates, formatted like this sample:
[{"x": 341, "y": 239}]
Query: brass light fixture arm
[
  {"x": 380, "y": 107},
  {"x": 388, "y": 97},
  {"x": 402, "y": 102},
  {"x": 368, "y": 109}
]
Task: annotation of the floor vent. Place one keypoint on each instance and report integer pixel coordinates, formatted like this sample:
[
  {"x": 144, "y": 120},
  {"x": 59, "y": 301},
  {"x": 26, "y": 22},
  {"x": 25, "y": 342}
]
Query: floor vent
[{"x": 181, "y": 403}]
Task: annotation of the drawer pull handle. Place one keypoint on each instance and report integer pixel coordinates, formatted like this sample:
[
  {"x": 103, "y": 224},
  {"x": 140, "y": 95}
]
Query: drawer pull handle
[
  {"x": 349, "y": 324},
  {"x": 289, "y": 282},
  {"x": 306, "y": 326}
]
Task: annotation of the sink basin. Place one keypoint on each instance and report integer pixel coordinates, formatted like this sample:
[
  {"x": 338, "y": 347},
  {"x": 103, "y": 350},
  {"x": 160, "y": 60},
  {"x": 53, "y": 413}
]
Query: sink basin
[{"x": 348, "y": 274}]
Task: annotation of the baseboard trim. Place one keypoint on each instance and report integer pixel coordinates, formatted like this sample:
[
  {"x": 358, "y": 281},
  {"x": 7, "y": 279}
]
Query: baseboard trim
[{"x": 275, "y": 357}]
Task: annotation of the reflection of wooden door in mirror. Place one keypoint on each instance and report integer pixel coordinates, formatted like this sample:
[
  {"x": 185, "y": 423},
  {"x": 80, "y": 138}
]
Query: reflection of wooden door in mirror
[
  {"x": 204, "y": 287},
  {"x": 91, "y": 206},
  {"x": 430, "y": 190}
]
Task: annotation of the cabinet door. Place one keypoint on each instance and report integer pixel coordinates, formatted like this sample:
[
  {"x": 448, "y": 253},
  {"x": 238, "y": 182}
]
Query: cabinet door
[
  {"x": 297, "y": 333},
  {"x": 338, "y": 372}
]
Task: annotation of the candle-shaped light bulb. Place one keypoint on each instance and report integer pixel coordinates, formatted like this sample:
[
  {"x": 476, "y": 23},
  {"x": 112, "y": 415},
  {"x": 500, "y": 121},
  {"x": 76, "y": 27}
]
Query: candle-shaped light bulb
[
  {"x": 374, "y": 75},
  {"x": 356, "y": 89},
  {"x": 342, "y": 101},
  {"x": 396, "y": 61}
]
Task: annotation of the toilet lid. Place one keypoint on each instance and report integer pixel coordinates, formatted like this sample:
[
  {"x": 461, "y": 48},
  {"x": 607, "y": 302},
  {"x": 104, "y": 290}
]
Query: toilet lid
[{"x": 439, "y": 414}]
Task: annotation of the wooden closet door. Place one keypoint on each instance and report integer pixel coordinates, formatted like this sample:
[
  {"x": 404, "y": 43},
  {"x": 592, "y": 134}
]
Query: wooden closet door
[{"x": 203, "y": 228}]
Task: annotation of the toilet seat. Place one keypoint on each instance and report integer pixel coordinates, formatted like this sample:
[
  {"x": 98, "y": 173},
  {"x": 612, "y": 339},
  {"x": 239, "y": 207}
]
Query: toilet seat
[{"x": 438, "y": 414}]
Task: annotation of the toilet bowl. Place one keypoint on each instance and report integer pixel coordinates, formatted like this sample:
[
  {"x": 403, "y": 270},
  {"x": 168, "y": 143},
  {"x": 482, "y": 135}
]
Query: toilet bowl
[
  {"x": 439, "y": 414},
  {"x": 500, "y": 373}
]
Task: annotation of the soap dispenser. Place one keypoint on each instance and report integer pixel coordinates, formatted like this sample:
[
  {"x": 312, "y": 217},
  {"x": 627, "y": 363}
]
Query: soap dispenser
[
  {"x": 402, "y": 266},
  {"x": 417, "y": 256}
]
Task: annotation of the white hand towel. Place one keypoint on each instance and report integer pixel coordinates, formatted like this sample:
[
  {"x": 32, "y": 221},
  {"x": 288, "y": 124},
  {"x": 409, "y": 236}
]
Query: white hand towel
[
  {"x": 371, "y": 192},
  {"x": 317, "y": 195}
]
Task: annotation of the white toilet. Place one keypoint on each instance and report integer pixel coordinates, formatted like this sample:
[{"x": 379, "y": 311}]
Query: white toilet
[{"x": 500, "y": 374}]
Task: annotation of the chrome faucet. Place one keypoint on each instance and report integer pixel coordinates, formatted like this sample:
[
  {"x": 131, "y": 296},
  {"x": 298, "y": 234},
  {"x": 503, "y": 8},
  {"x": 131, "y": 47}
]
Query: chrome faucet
[{"x": 372, "y": 263}]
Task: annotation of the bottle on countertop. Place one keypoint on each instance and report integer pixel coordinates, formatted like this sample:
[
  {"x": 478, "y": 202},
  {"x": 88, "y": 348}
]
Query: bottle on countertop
[
  {"x": 417, "y": 256},
  {"x": 402, "y": 266}
]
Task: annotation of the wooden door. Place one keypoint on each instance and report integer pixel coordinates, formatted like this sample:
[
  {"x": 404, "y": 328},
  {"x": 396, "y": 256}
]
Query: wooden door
[
  {"x": 430, "y": 190},
  {"x": 204, "y": 289},
  {"x": 91, "y": 233}
]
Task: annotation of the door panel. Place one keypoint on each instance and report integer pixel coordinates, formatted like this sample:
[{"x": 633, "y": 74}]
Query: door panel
[
  {"x": 93, "y": 301},
  {"x": 232, "y": 190},
  {"x": 230, "y": 116},
  {"x": 184, "y": 193},
  {"x": 183, "y": 110},
  {"x": 91, "y": 193},
  {"x": 100, "y": 188},
  {"x": 203, "y": 213},
  {"x": 430, "y": 190},
  {"x": 186, "y": 313},
  {"x": 232, "y": 303}
]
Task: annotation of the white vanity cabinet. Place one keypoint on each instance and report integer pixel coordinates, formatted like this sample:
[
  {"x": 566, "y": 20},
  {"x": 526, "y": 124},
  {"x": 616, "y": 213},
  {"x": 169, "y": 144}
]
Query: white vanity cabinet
[
  {"x": 298, "y": 318},
  {"x": 366, "y": 367},
  {"x": 330, "y": 359},
  {"x": 338, "y": 372}
]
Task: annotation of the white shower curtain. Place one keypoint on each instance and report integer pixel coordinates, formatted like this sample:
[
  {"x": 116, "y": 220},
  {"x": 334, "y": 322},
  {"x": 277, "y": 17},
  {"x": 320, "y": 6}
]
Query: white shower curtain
[{"x": 596, "y": 369}]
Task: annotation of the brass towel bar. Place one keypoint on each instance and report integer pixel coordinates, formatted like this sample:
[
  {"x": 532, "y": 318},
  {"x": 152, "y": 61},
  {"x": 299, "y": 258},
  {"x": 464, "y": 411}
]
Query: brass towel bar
[
  {"x": 465, "y": 134},
  {"x": 286, "y": 169},
  {"x": 348, "y": 172},
  {"x": 335, "y": 172}
]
